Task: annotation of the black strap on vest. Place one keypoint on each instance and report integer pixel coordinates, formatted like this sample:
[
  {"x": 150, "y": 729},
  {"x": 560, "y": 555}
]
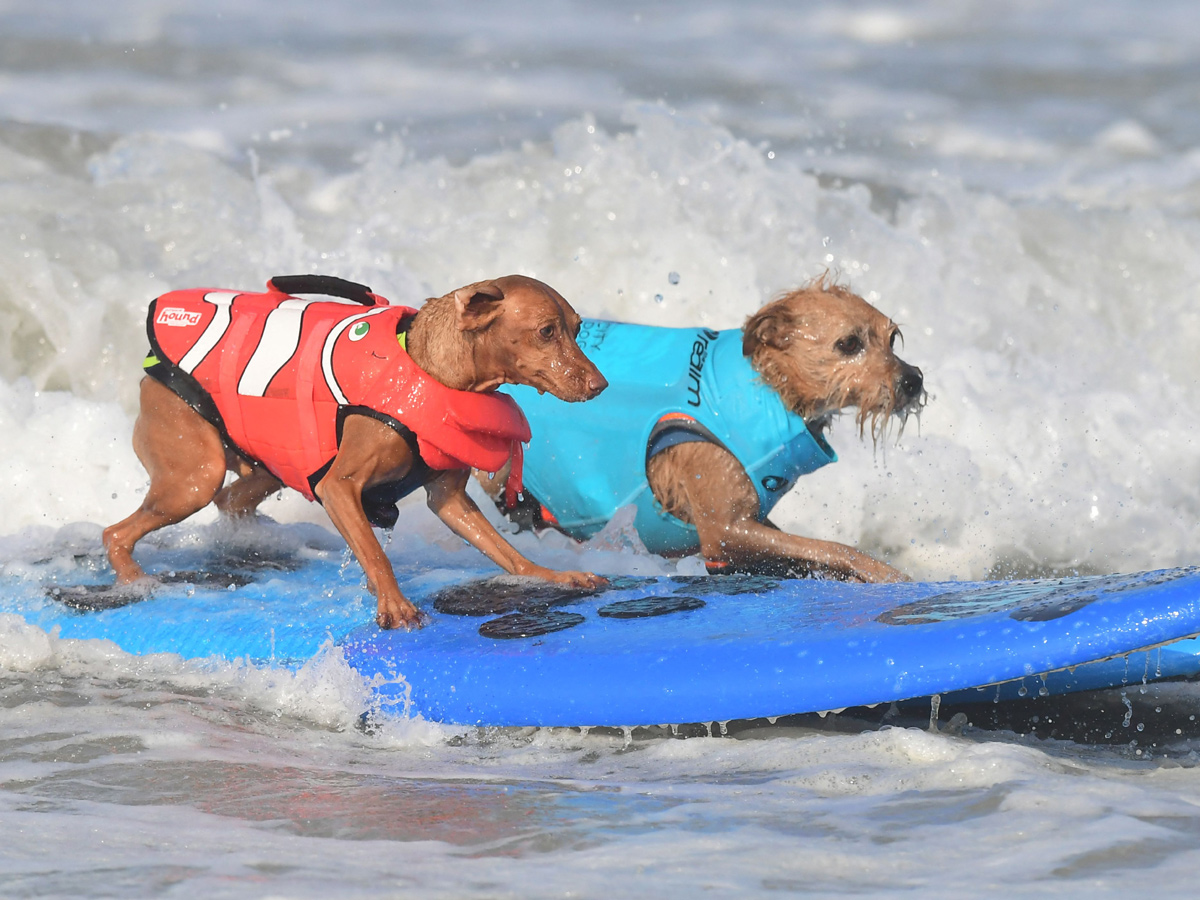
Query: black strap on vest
[
  {"x": 323, "y": 284},
  {"x": 185, "y": 386},
  {"x": 405, "y": 325},
  {"x": 379, "y": 502},
  {"x": 668, "y": 432}
]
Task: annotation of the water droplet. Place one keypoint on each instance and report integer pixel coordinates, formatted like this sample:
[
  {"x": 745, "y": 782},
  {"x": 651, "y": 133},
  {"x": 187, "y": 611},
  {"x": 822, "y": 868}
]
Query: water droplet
[
  {"x": 673, "y": 278},
  {"x": 658, "y": 298}
]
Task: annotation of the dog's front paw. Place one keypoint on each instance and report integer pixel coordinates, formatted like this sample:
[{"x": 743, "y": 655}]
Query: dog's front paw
[
  {"x": 397, "y": 614},
  {"x": 578, "y": 579},
  {"x": 880, "y": 573}
]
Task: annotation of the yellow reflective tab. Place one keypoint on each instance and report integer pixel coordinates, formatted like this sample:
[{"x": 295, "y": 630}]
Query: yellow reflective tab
[{"x": 149, "y": 361}]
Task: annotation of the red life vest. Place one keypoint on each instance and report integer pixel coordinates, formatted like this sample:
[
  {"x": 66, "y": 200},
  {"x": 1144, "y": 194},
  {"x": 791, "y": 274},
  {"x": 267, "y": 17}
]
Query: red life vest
[{"x": 279, "y": 368}]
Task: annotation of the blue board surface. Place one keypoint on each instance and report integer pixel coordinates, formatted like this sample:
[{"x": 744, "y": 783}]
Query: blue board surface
[
  {"x": 665, "y": 650},
  {"x": 800, "y": 646}
]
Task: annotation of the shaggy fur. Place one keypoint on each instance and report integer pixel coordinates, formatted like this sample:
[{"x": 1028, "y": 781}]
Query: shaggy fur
[{"x": 823, "y": 349}]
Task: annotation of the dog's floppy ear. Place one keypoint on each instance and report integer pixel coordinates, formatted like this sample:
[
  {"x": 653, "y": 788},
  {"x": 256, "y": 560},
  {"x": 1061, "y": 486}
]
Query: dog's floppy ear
[
  {"x": 770, "y": 327},
  {"x": 478, "y": 306}
]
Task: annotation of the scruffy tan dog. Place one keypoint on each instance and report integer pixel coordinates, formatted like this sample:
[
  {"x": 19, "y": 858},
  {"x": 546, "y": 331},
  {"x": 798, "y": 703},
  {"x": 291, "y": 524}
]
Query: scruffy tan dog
[{"x": 716, "y": 426}]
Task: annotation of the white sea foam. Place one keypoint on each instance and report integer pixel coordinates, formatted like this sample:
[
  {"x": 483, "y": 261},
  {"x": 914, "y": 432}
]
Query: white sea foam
[
  {"x": 1060, "y": 427},
  {"x": 1015, "y": 185}
]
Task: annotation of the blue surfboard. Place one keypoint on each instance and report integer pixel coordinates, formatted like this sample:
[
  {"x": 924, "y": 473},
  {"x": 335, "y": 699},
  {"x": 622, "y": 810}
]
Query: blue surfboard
[
  {"x": 506, "y": 651},
  {"x": 758, "y": 647}
]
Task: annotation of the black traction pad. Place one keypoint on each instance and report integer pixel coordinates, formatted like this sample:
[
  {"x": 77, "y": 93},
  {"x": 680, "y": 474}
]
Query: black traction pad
[
  {"x": 529, "y": 624},
  {"x": 505, "y": 594},
  {"x": 646, "y": 607},
  {"x": 225, "y": 563},
  {"x": 724, "y": 584},
  {"x": 97, "y": 597},
  {"x": 100, "y": 597},
  {"x": 1027, "y": 601}
]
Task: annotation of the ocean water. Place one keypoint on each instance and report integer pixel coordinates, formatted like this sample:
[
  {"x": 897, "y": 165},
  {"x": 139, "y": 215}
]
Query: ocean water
[{"x": 1017, "y": 184}]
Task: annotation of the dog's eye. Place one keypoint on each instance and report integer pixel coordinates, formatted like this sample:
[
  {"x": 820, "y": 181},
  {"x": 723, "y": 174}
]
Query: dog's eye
[
  {"x": 895, "y": 334},
  {"x": 849, "y": 345},
  {"x": 547, "y": 331}
]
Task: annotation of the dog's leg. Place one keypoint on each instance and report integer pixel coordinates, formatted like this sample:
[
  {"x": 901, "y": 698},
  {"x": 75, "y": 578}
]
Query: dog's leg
[
  {"x": 493, "y": 482},
  {"x": 447, "y": 497},
  {"x": 240, "y": 499},
  {"x": 704, "y": 484},
  {"x": 185, "y": 459},
  {"x": 370, "y": 453}
]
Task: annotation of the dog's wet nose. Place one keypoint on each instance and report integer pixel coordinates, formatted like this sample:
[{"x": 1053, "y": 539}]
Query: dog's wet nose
[
  {"x": 911, "y": 383},
  {"x": 595, "y": 384}
]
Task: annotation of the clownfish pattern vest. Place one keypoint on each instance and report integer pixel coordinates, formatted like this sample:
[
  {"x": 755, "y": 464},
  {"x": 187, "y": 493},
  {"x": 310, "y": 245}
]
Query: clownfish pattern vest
[
  {"x": 277, "y": 374},
  {"x": 665, "y": 386}
]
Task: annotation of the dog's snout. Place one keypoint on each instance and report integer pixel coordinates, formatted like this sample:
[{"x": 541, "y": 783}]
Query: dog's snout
[
  {"x": 910, "y": 384},
  {"x": 595, "y": 384}
]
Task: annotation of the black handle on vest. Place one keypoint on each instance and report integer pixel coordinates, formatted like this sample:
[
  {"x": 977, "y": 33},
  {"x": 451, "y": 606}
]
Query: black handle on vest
[{"x": 323, "y": 284}]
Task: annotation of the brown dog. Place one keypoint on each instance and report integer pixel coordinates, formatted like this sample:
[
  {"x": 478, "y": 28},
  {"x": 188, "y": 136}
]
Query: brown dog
[
  {"x": 510, "y": 330},
  {"x": 820, "y": 349}
]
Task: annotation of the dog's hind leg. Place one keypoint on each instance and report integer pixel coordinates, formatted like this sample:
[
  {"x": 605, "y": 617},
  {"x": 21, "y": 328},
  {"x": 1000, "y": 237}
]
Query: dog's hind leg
[
  {"x": 185, "y": 459},
  {"x": 240, "y": 499}
]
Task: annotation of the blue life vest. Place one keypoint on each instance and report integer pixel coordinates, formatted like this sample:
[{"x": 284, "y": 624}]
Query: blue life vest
[{"x": 666, "y": 385}]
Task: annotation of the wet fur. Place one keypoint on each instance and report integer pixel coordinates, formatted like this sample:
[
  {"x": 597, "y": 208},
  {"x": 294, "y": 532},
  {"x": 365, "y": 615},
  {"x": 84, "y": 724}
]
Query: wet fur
[
  {"x": 471, "y": 346},
  {"x": 792, "y": 344}
]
